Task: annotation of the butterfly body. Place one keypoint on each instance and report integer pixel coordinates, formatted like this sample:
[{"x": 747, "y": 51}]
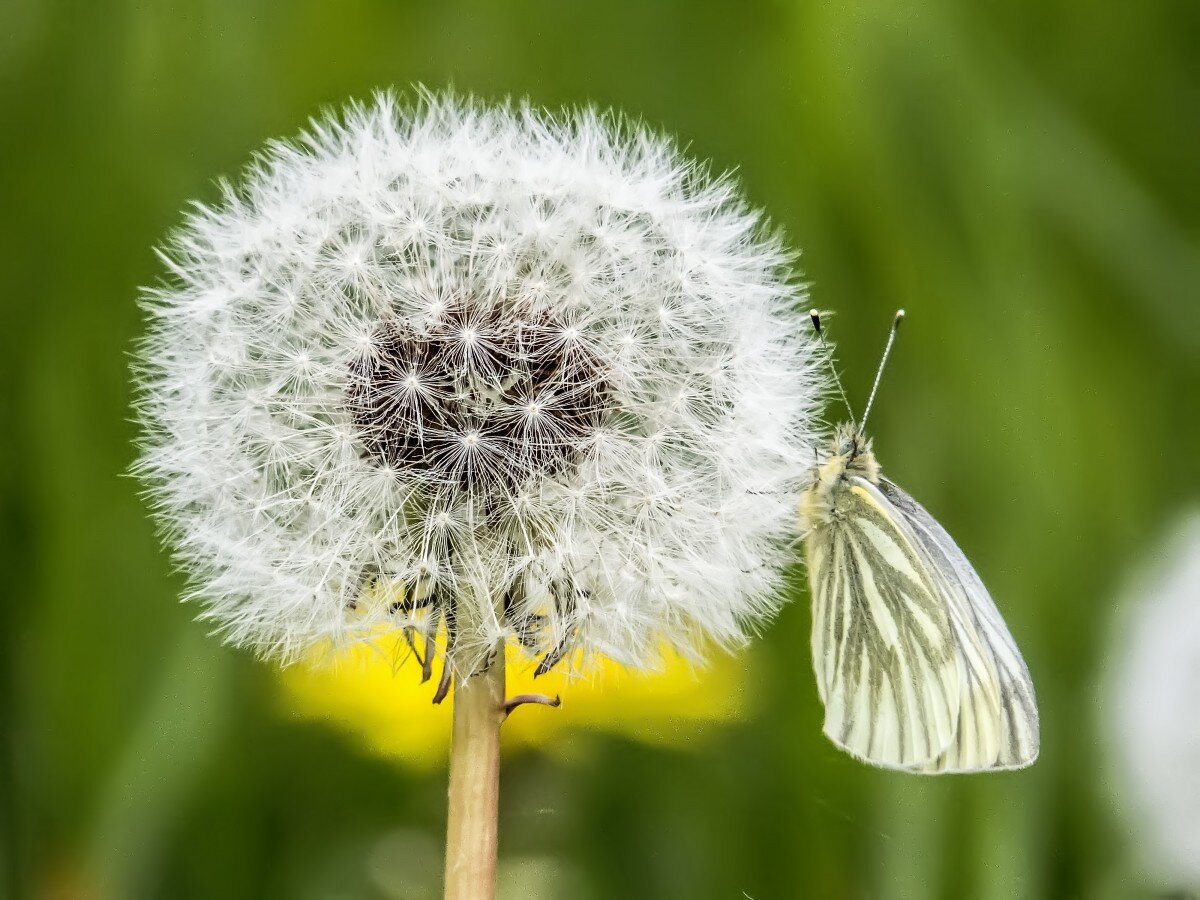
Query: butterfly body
[
  {"x": 914, "y": 663},
  {"x": 851, "y": 457}
]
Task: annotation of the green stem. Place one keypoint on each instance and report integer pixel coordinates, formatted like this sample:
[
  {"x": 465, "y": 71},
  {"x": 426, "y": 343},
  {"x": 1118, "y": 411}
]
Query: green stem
[{"x": 472, "y": 826}]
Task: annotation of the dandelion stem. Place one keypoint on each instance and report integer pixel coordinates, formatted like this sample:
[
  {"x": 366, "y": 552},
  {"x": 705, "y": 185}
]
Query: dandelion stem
[{"x": 471, "y": 831}]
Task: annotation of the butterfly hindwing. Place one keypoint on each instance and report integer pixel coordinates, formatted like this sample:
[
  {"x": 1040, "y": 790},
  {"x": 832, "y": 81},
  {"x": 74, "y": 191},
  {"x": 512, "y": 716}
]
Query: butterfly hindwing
[
  {"x": 883, "y": 644},
  {"x": 997, "y": 718}
]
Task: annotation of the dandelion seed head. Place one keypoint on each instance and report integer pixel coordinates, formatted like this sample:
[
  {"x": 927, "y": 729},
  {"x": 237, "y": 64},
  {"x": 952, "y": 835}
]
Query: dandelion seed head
[
  {"x": 1150, "y": 693},
  {"x": 482, "y": 370}
]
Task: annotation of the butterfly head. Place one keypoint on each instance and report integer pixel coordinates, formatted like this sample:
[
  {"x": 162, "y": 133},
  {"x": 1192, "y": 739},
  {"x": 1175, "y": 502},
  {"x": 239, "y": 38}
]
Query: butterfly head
[
  {"x": 852, "y": 454},
  {"x": 849, "y": 456}
]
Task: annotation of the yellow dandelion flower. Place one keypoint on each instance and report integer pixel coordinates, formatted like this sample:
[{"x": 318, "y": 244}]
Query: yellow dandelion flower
[{"x": 365, "y": 696}]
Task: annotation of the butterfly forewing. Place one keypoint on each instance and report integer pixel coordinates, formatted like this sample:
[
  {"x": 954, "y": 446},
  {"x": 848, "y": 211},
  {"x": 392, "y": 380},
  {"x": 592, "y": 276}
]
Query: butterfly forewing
[
  {"x": 997, "y": 719},
  {"x": 883, "y": 643}
]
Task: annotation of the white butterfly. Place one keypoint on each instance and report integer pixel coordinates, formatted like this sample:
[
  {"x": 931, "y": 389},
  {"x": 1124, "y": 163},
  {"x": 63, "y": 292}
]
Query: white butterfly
[{"x": 914, "y": 663}]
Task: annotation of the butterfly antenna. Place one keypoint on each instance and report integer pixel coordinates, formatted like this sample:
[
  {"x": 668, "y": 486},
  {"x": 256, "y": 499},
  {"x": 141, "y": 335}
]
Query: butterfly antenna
[
  {"x": 883, "y": 362},
  {"x": 815, "y": 315}
]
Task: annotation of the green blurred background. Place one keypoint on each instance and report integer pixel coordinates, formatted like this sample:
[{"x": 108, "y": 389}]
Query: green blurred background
[{"x": 1021, "y": 176}]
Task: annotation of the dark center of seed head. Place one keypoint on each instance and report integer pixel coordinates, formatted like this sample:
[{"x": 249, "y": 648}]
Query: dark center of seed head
[{"x": 477, "y": 399}]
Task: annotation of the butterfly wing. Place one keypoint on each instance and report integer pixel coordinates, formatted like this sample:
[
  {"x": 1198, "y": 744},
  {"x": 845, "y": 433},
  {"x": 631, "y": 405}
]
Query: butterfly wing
[
  {"x": 997, "y": 715},
  {"x": 884, "y": 649}
]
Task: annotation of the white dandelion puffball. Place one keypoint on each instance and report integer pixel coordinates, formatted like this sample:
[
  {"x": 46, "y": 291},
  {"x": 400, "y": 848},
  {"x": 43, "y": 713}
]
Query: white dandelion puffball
[
  {"x": 480, "y": 372},
  {"x": 1153, "y": 712}
]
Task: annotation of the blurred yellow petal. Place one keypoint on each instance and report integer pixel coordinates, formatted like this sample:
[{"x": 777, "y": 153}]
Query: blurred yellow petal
[{"x": 381, "y": 704}]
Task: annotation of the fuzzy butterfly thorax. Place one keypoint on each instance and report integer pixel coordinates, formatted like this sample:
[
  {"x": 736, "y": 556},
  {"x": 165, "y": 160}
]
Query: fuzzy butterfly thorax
[{"x": 850, "y": 455}]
